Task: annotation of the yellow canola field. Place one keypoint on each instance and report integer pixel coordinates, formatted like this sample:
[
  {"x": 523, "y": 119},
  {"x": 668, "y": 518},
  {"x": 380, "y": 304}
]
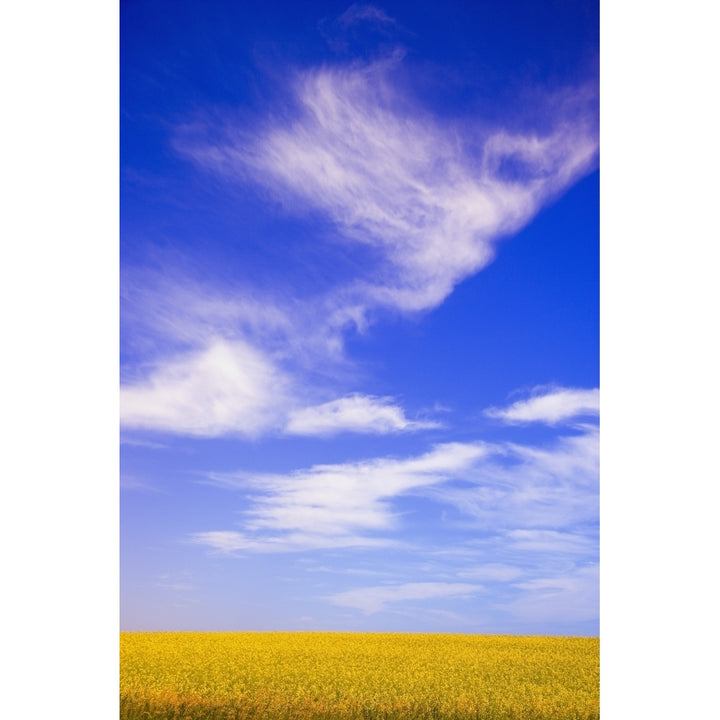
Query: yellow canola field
[{"x": 343, "y": 676}]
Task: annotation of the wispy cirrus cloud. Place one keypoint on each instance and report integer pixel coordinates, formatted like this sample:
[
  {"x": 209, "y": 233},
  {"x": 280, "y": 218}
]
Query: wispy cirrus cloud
[
  {"x": 529, "y": 497},
  {"x": 360, "y": 22},
  {"x": 549, "y": 486},
  {"x": 130, "y": 483},
  {"x": 517, "y": 598},
  {"x": 550, "y": 541},
  {"x": 333, "y": 505},
  {"x": 377, "y": 598},
  {"x": 427, "y": 201},
  {"x": 357, "y": 413},
  {"x": 363, "y": 12},
  {"x": 232, "y": 542},
  {"x": 492, "y": 572},
  {"x": 550, "y": 406}
]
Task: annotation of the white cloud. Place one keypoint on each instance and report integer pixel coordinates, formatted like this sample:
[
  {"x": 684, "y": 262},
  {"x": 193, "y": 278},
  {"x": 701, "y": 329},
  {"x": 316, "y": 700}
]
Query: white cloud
[
  {"x": 526, "y": 486},
  {"x": 355, "y": 413},
  {"x": 230, "y": 542},
  {"x": 230, "y": 387},
  {"x": 375, "y": 599},
  {"x": 226, "y": 388},
  {"x": 143, "y": 443},
  {"x": 242, "y": 364},
  {"x": 553, "y": 407},
  {"x": 429, "y": 200},
  {"x": 334, "y": 505}
]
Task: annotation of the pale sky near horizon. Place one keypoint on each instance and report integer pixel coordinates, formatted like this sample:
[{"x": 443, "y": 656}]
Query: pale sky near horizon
[{"x": 359, "y": 316}]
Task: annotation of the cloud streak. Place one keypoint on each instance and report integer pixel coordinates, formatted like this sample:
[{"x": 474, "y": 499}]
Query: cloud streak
[
  {"x": 552, "y": 408},
  {"x": 356, "y": 413},
  {"x": 371, "y": 600}
]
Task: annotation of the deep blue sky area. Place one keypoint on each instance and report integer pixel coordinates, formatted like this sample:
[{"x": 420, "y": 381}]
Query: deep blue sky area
[{"x": 359, "y": 250}]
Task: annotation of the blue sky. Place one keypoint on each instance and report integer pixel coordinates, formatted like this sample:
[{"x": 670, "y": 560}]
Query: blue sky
[{"x": 359, "y": 351}]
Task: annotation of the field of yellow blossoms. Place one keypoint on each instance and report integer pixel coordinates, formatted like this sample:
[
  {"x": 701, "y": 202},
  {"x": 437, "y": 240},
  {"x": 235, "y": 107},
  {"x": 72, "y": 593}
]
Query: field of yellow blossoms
[{"x": 343, "y": 676}]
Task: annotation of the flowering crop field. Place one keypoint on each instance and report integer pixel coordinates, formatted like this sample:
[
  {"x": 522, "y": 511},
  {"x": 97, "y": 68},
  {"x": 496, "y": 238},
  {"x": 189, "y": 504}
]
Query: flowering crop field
[{"x": 343, "y": 676}]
